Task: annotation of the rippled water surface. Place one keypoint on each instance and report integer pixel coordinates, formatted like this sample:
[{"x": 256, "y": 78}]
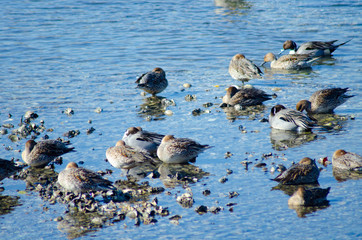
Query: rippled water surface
[{"x": 87, "y": 55}]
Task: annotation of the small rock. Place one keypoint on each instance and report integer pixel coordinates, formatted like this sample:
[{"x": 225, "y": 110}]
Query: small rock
[
  {"x": 215, "y": 209},
  {"x": 98, "y": 110},
  {"x": 90, "y": 130},
  {"x": 229, "y": 171},
  {"x": 3, "y": 131},
  {"x": 58, "y": 219},
  {"x": 190, "y": 98},
  {"x": 186, "y": 85},
  {"x": 228, "y": 155},
  {"x": 223, "y": 180},
  {"x": 206, "y": 105},
  {"x": 68, "y": 111},
  {"x": 233, "y": 194},
  {"x": 206, "y": 192},
  {"x": 201, "y": 209},
  {"x": 168, "y": 113},
  {"x": 196, "y": 112},
  {"x": 7, "y": 125},
  {"x": 260, "y": 165}
]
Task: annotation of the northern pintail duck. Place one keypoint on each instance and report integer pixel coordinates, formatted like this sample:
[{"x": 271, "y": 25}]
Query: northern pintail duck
[
  {"x": 314, "y": 48},
  {"x": 39, "y": 154},
  {"x": 304, "y": 172},
  {"x": 246, "y": 96},
  {"x": 309, "y": 197},
  {"x": 347, "y": 160},
  {"x": 153, "y": 82},
  {"x": 179, "y": 150},
  {"x": 142, "y": 140},
  {"x": 78, "y": 180},
  {"x": 289, "y": 119},
  {"x": 123, "y": 156},
  {"x": 241, "y": 68},
  {"x": 290, "y": 61},
  {"x": 324, "y": 101}
]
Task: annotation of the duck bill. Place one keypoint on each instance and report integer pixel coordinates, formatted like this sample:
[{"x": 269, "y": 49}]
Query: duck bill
[{"x": 281, "y": 51}]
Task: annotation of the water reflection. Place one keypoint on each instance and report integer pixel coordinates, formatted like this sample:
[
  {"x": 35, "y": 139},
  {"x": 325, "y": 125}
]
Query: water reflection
[
  {"x": 141, "y": 171},
  {"x": 291, "y": 74},
  {"x": 77, "y": 224},
  {"x": 331, "y": 122},
  {"x": 7, "y": 204},
  {"x": 302, "y": 211},
  {"x": 154, "y": 108},
  {"x": 35, "y": 176},
  {"x": 173, "y": 175},
  {"x": 7, "y": 168},
  {"x": 240, "y": 112},
  {"x": 290, "y": 189},
  {"x": 342, "y": 175},
  {"x": 232, "y": 7},
  {"x": 282, "y": 140}
]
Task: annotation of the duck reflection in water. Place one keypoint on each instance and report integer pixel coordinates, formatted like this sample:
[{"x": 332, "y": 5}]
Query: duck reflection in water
[
  {"x": 154, "y": 107},
  {"x": 232, "y": 7},
  {"x": 282, "y": 140},
  {"x": 305, "y": 201},
  {"x": 173, "y": 175}
]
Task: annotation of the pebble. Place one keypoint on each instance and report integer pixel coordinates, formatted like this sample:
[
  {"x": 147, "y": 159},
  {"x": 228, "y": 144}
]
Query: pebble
[
  {"x": 233, "y": 194},
  {"x": 68, "y": 111},
  {"x": 260, "y": 165},
  {"x": 98, "y": 110},
  {"x": 186, "y": 85},
  {"x": 58, "y": 219},
  {"x": 229, "y": 171},
  {"x": 227, "y": 155},
  {"x": 168, "y": 113},
  {"x": 215, "y": 210},
  {"x": 206, "y": 192},
  {"x": 8, "y": 125},
  {"x": 223, "y": 180},
  {"x": 202, "y": 209},
  {"x": 3, "y": 131},
  {"x": 190, "y": 98}
]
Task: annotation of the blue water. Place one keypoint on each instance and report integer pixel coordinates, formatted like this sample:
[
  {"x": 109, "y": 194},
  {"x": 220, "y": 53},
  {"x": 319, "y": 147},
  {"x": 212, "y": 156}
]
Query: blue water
[{"x": 87, "y": 54}]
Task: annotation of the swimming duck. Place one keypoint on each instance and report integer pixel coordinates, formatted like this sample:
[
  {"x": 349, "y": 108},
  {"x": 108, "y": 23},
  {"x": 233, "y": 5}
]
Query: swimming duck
[
  {"x": 123, "y": 156},
  {"x": 309, "y": 197},
  {"x": 39, "y": 154},
  {"x": 324, "y": 101},
  {"x": 142, "y": 140},
  {"x": 78, "y": 180},
  {"x": 241, "y": 68},
  {"x": 179, "y": 150},
  {"x": 246, "y": 96},
  {"x": 153, "y": 82},
  {"x": 284, "y": 118},
  {"x": 314, "y": 48},
  {"x": 346, "y": 160},
  {"x": 290, "y": 61}
]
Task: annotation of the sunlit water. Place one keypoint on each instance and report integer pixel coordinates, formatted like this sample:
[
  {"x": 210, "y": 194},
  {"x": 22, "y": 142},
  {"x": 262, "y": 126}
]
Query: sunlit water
[{"x": 87, "y": 54}]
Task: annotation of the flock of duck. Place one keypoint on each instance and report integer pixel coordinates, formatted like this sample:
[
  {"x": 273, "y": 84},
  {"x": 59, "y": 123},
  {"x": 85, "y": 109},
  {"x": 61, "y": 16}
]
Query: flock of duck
[{"x": 139, "y": 146}]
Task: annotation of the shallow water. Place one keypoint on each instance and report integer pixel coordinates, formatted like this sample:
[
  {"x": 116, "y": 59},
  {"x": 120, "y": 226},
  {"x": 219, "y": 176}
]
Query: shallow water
[{"x": 87, "y": 54}]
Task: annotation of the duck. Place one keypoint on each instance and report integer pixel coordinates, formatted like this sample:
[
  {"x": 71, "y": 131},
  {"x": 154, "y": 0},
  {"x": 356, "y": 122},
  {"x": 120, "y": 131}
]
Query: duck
[
  {"x": 246, "y": 96},
  {"x": 313, "y": 48},
  {"x": 126, "y": 157},
  {"x": 179, "y": 150},
  {"x": 241, "y": 68},
  {"x": 324, "y": 101},
  {"x": 289, "y": 119},
  {"x": 40, "y": 154},
  {"x": 309, "y": 197},
  {"x": 153, "y": 82},
  {"x": 346, "y": 160},
  {"x": 290, "y": 61},
  {"x": 142, "y": 140},
  {"x": 304, "y": 172},
  {"x": 79, "y": 180}
]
